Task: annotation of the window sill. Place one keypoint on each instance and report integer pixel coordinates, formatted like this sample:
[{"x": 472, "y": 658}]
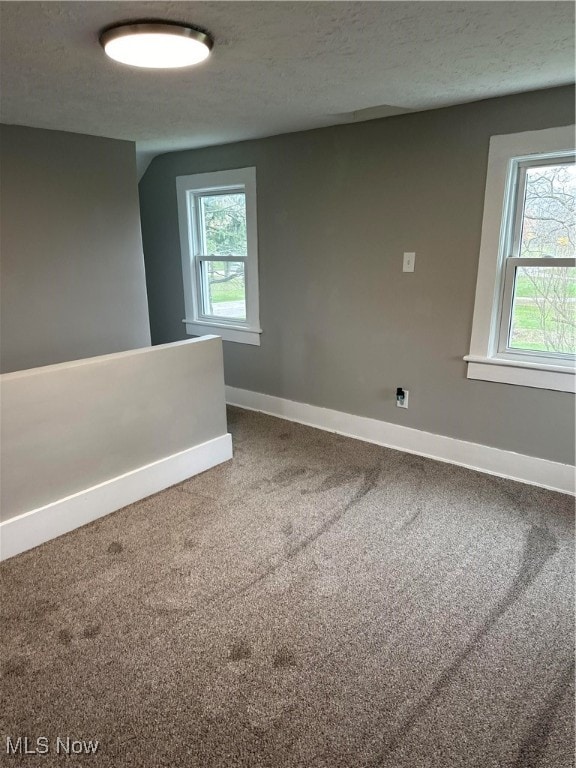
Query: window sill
[
  {"x": 238, "y": 334},
  {"x": 560, "y": 378}
]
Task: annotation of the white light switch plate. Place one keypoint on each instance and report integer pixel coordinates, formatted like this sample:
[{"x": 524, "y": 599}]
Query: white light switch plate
[{"x": 409, "y": 260}]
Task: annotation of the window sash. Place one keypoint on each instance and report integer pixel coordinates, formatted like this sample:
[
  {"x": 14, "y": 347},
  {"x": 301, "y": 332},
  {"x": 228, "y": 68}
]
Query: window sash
[
  {"x": 200, "y": 257},
  {"x": 510, "y": 267},
  {"x": 518, "y": 169},
  {"x": 198, "y": 225},
  {"x": 513, "y": 215},
  {"x": 204, "y": 290}
]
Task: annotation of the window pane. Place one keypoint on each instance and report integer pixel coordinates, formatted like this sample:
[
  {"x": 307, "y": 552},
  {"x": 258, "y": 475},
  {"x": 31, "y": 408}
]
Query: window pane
[
  {"x": 224, "y": 289},
  {"x": 223, "y": 220},
  {"x": 548, "y": 224},
  {"x": 544, "y": 309}
]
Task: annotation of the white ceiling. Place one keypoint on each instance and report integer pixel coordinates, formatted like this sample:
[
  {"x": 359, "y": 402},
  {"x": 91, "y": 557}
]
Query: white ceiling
[{"x": 276, "y": 66}]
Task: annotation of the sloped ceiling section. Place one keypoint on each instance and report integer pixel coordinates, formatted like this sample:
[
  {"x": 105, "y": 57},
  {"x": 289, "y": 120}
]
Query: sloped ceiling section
[{"x": 276, "y": 66}]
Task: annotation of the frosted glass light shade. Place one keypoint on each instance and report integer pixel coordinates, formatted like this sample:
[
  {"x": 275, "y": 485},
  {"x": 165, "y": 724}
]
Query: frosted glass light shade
[{"x": 156, "y": 45}]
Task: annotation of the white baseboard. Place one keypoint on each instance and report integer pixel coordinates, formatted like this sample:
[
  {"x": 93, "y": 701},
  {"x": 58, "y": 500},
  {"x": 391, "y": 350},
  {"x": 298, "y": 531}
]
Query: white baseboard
[
  {"x": 493, "y": 461},
  {"x": 39, "y": 525}
]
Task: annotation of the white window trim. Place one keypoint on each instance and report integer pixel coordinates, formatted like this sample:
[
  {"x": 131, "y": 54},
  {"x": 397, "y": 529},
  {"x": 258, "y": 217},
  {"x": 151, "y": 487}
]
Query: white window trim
[
  {"x": 243, "y": 332},
  {"x": 484, "y": 360}
]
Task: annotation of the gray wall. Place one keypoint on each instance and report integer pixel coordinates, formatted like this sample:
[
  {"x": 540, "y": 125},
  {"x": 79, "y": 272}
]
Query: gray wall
[
  {"x": 343, "y": 326},
  {"x": 72, "y": 268}
]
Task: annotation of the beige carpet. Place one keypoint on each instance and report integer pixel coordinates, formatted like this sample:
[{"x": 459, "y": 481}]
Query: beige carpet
[{"x": 316, "y": 602}]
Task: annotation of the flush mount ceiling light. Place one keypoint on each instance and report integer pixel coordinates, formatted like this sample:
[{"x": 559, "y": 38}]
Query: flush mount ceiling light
[{"x": 156, "y": 44}]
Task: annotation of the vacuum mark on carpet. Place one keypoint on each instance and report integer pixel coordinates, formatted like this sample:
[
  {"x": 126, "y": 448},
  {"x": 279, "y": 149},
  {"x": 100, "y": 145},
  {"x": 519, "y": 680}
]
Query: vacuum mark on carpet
[
  {"x": 417, "y": 484},
  {"x": 283, "y": 658},
  {"x": 65, "y": 636},
  {"x": 91, "y": 631},
  {"x": 370, "y": 478},
  {"x": 539, "y": 547},
  {"x": 515, "y": 496},
  {"x": 337, "y": 480},
  {"x": 14, "y": 667},
  {"x": 534, "y": 746},
  {"x": 35, "y": 612},
  {"x": 288, "y": 474},
  {"x": 240, "y": 650}
]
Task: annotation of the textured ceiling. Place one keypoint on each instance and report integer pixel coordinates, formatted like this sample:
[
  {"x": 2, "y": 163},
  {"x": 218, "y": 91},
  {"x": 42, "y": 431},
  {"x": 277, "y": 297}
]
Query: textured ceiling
[{"x": 276, "y": 66}]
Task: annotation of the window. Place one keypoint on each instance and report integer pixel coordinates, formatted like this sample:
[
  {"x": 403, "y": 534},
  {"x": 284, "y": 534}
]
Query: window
[
  {"x": 524, "y": 329},
  {"x": 537, "y": 316},
  {"x": 218, "y": 240}
]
